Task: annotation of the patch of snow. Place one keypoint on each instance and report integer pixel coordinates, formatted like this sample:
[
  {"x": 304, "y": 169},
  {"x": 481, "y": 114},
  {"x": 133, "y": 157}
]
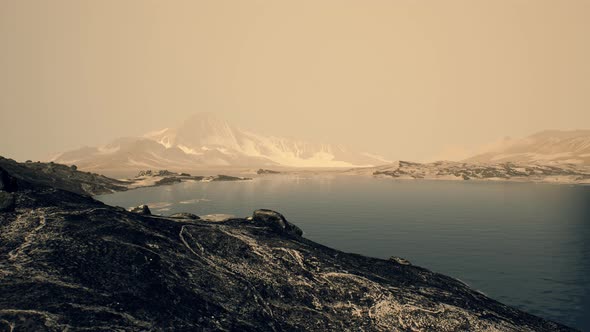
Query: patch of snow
[{"x": 188, "y": 150}]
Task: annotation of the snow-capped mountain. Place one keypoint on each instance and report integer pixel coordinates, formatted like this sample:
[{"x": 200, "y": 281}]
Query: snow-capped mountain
[
  {"x": 551, "y": 146},
  {"x": 207, "y": 140}
]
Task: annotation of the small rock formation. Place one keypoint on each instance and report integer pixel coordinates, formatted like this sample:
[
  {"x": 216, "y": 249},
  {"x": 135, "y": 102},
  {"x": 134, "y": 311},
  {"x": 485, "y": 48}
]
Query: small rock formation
[
  {"x": 222, "y": 177},
  {"x": 7, "y": 201},
  {"x": 169, "y": 180},
  {"x": 7, "y": 182},
  {"x": 184, "y": 215},
  {"x": 142, "y": 209},
  {"x": 276, "y": 221},
  {"x": 266, "y": 171},
  {"x": 149, "y": 172},
  {"x": 399, "y": 260}
]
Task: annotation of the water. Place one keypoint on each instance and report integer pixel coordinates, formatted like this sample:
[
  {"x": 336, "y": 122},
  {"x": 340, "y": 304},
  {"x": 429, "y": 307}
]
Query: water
[{"x": 523, "y": 244}]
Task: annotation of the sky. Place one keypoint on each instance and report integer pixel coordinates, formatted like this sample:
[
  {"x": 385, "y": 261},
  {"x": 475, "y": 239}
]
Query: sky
[{"x": 411, "y": 80}]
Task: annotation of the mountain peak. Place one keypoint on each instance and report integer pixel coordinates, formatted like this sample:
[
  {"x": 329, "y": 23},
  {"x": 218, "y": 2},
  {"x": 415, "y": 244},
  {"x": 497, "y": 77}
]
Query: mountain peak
[{"x": 207, "y": 139}]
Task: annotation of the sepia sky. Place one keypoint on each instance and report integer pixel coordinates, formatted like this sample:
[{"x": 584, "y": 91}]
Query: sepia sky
[{"x": 412, "y": 80}]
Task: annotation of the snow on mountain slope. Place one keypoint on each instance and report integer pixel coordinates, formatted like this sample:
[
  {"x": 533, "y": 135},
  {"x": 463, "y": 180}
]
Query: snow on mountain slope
[
  {"x": 551, "y": 146},
  {"x": 207, "y": 140}
]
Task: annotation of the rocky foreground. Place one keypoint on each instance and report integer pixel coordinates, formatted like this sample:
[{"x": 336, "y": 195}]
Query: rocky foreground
[
  {"x": 86, "y": 183},
  {"x": 69, "y": 262}
]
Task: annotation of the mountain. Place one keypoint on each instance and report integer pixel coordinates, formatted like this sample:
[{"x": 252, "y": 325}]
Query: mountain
[
  {"x": 71, "y": 263},
  {"x": 207, "y": 140},
  {"x": 551, "y": 146}
]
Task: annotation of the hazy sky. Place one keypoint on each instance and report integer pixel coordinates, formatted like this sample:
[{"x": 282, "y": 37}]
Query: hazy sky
[{"x": 407, "y": 79}]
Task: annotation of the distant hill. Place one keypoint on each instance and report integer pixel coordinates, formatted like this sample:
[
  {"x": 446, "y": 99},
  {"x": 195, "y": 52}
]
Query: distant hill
[
  {"x": 207, "y": 140},
  {"x": 551, "y": 146}
]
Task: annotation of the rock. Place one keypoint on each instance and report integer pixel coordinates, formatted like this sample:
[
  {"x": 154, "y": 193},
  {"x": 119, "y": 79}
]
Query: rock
[
  {"x": 7, "y": 182},
  {"x": 266, "y": 171},
  {"x": 276, "y": 221},
  {"x": 142, "y": 209},
  {"x": 222, "y": 177},
  {"x": 74, "y": 167},
  {"x": 399, "y": 260},
  {"x": 184, "y": 215},
  {"x": 7, "y": 201},
  {"x": 167, "y": 181}
]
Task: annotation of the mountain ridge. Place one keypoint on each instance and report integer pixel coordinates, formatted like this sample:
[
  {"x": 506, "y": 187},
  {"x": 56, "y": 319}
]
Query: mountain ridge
[
  {"x": 547, "y": 146},
  {"x": 207, "y": 140}
]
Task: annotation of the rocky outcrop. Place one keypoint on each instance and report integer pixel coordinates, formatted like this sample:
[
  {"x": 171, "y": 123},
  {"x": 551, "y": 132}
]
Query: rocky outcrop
[
  {"x": 8, "y": 185},
  {"x": 7, "y": 201},
  {"x": 162, "y": 172},
  {"x": 61, "y": 176},
  {"x": 68, "y": 262},
  {"x": 7, "y": 182},
  {"x": 266, "y": 171},
  {"x": 184, "y": 215},
  {"x": 222, "y": 177},
  {"x": 142, "y": 209},
  {"x": 151, "y": 178},
  {"x": 275, "y": 221},
  {"x": 399, "y": 260}
]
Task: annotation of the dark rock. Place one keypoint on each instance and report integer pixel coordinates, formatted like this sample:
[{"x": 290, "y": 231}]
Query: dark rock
[
  {"x": 7, "y": 182},
  {"x": 167, "y": 181},
  {"x": 275, "y": 221},
  {"x": 184, "y": 174},
  {"x": 74, "y": 167},
  {"x": 142, "y": 209},
  {"x": 184, "y": 215},
  {"x": 222, "y": 177},
  {"x": 266, "y": 171},
  {"x": 7, "y": 201}
]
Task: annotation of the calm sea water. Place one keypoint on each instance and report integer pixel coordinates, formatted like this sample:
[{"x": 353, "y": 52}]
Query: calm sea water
[{"x": 524, "y": 244}]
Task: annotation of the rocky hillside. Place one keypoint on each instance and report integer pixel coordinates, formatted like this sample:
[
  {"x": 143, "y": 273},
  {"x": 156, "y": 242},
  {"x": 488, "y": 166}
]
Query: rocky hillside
[
  {"x": 68, "y": 262},
  {"x": 62, "y": 177}
]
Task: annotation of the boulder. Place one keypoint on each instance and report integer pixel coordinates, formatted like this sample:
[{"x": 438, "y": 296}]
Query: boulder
[
  {"x": 275, "y": 221},
  {"x": 184, "y": 215},
  {"x": 142, "y": 209},
  {"x": 399, "y": 260},
  {"x": 7, "y": 201},
  {"x": 7, "y": 182}
]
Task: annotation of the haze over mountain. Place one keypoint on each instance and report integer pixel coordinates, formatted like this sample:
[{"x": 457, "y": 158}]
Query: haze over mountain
[
  {"x": 208, "y": 140},
  {"x": 550, "y": 146}
]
